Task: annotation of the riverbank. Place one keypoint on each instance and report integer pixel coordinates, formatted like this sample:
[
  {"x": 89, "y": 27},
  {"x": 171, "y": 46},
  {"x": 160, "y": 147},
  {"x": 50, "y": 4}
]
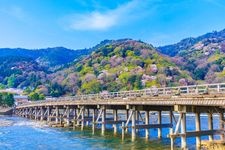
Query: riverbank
[
  {"x": 215, "y": 145},
  {"x": 6, "y": 110}
]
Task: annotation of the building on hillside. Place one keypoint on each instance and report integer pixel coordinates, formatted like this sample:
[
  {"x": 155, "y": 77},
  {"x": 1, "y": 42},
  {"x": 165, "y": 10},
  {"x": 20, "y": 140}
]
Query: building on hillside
[{"x": 20, "y": 99}]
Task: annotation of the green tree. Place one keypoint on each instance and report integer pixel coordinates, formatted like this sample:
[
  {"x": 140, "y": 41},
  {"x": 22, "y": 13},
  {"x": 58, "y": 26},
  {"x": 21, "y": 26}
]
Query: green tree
[
  {"x": 11, "y": 82},
  {"x": 91, "y": 87},
  {"x": 6, "y": 99},
  {"x": 34, "y": 96}
]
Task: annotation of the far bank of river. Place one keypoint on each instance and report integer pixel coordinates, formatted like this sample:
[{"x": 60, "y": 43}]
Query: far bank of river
[{"x": 6, "y": 110}]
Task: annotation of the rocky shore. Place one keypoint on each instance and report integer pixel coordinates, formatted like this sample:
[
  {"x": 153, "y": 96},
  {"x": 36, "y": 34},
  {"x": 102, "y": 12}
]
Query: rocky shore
[{"x": 215, "y": 145}]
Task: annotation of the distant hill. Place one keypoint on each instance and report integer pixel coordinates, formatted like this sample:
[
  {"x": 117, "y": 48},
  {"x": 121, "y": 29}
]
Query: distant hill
[
  {"x": 188, "y": 43},
  {"x": 120, "y": 65},
  {"x": 21, "y": 68},
  {"x": 46, "y": 57},
  {"x": 203, "y": 57}
]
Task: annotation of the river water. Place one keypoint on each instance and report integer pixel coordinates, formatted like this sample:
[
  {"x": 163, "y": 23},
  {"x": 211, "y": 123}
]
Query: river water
[{"x": 24, "y": 134}]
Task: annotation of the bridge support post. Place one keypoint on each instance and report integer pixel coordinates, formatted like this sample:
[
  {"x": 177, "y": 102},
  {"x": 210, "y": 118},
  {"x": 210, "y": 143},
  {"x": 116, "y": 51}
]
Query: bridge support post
[
  {"x": 171, "y": 130},
  {"x": 133, "y": 131},
  {"x": 35, "y": 113},
  {"x": 115, "y": 116},
  {"x": 26, "y": 114},
  {"x": 82, "y": 118},
  {"x": 146, "y": 122},
  {"x": 103, "y": 119},
  {"x": 93, "y": 121},
  {"x": 171, "y": 121},
  {"x": 159, "y": 122},
  {"x": 222, "y": 136},
  {"x": 88, "y": 116},
  {"x": 210, "y": 125},
  {"x": 68, "y": 116},
  {"x": 74, "y": 113},
  {"x": 123, "y": 130},
  {"x": 42, "y": 113},
  {"x": 57, "y": 114},
  {"x": 30, "y": 113},
  {"x": 127, "y": 116},
  {"x": 198, "y": 128},
  {"x": 183, "y": 131},
  {"x": 48, "y": 114}
]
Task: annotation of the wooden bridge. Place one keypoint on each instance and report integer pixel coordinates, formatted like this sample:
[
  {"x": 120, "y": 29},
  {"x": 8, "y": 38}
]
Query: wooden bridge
[{"x": 103, "y": 109}]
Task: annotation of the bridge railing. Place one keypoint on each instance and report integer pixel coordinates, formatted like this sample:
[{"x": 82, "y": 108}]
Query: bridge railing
[{"x": 150, "y": 92}]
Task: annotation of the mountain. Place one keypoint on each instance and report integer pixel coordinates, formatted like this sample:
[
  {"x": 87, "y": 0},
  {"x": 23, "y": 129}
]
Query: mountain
[
  {"x": 114, "y": 65},
  {"x": 214, "y": 39},
  {"x": 118, "y": 65},
  {"x": 22, "y": 68},
  {"x": 46, "y": 57},
  {"x": 203, "y": 57},
  {"x": 20, "y": 72}
]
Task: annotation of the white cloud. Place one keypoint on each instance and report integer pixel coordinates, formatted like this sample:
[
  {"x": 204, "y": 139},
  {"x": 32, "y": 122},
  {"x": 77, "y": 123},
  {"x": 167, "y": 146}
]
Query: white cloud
[
  {"x": 94, "y": 21},
  {"x": 97, "y": 20}
]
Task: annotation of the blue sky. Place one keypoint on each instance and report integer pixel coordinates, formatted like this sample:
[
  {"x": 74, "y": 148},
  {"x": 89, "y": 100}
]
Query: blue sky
[{"x": 83, "y": 23}]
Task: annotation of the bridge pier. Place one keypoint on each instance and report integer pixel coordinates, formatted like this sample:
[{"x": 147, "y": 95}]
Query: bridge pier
[
  {"x": 56, "y": 114},
  {"x": 147, "y": 123},
  {"x": 35, "y": 113},
  {"x": 93, "y": 121},
  {"x": 183, "y": 131},
  {"x": 221, "y": 118},
  {"x": 133, "y": 130},
  {"x": 210, "y": 125},
  {"x": 115, "y": 118},
  {"x": 159, "y": 122},
  {"x": 198, "y": 128},
  {"x": 48, "y": 114},
  {"x": 67, "y": 115},
  {"x": 103, "y": 119},
  {"x": 42, "y": 113}
]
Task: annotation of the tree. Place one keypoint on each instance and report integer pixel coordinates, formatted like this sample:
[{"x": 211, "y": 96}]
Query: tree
[
  {"x": 56, "y": 90},
  {"x": 34, "y": 96},
  {"x": 11, "y": 82},
  {"x": 199, "y": 73},
  {"x": 6, "y": 99},
  {"x": 91, "y": 87}
]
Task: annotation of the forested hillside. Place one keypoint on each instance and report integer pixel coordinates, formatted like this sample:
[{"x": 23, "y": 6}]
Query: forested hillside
[
  {"x": 203, "y": 57},
  {"x": 114, "y": 65},
  {"x": 120, "y": 65}
]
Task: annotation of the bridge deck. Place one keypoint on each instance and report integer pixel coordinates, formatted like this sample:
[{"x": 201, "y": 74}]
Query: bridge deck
[
  {"x": 193, "y": 100},
  {"x": 194, "y": 95}
]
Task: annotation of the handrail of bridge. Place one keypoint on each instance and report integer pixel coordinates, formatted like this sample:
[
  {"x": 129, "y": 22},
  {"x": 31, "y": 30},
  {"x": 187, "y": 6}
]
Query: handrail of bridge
[{"x": 218, "y": 88}]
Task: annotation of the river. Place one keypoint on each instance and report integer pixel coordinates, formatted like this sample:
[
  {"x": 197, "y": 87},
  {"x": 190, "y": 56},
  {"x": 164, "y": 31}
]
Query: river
[{"x": 24, "y": 134}]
